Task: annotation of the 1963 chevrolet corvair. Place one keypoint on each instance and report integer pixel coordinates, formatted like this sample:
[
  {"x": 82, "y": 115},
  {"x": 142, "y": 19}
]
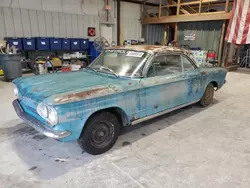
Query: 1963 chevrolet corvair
[{"x": 123, "y": 86}]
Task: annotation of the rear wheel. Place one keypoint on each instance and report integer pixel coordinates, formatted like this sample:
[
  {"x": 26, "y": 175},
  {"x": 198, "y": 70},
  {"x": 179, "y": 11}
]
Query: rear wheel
[
  {"x": 207, "y": 96},
  {"x": 100, "y": 134}
]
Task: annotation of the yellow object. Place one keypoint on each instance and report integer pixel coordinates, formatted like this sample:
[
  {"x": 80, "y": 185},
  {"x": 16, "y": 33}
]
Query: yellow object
[
  {"x": 56, "y": 62},
  {"x": 164, "y": 42},
  {"x": 120, "y": 35},
  {"x": 1, "y": 72},
  {"x": 40, "y": 62},
  {"x": 2, "y": 43}
]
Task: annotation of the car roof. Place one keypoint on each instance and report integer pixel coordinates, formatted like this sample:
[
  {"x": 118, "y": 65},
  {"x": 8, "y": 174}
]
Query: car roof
[{"x": 152, "y": 48}]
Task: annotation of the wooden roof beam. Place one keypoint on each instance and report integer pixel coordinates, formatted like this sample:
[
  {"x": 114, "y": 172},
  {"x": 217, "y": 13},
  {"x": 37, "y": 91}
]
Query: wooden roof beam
[{"x": 188, "y": 18}]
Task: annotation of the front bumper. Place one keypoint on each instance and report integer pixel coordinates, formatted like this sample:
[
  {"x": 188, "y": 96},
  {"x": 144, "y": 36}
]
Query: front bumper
[{"x": 37, "y": 125}]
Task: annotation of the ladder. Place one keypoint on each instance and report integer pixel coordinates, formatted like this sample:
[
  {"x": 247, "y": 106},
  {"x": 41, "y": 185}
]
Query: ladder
[{"x": 245, "y": 60}]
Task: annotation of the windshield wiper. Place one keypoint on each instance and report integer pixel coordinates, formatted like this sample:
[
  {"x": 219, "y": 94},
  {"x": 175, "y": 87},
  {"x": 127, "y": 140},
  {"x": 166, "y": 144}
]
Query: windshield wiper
[
  {"x": 110, "y": 70},
  {"x": 91, "y": 69}
]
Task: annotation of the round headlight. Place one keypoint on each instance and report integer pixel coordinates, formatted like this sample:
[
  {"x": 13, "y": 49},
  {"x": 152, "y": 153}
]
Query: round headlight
[
  {"x": 42, "y": 110},
  {"x": 15, "y": 91},
  {"x": 48, "y": 113},
  {"x": 53, "y": 118}
]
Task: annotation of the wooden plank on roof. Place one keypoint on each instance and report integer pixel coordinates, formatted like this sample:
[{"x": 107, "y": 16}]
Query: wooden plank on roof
[
  {"x": 190, "y": 3},
  {"x": 211, "y": 1},
  {"x": 188, "y": 18},
  {"x": 166, "y": 6}
]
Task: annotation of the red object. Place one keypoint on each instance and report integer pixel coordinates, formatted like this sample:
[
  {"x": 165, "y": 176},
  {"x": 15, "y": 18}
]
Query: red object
[
  {"x": 108, "y": 7},
  {"x": 211, "y": 54},
  {"x": 91, "y": 31},
  {"x": 66, "y": 69},
  {"x": 238, "y": 31}
]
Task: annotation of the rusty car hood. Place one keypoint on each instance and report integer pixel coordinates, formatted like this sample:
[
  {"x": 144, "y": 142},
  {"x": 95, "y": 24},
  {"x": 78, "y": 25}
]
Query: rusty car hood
[{"x": 62, "y": 88}]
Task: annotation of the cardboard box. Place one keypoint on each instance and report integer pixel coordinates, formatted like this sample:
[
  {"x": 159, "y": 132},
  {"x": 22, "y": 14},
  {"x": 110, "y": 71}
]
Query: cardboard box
[{"x": 56, "y": 62}]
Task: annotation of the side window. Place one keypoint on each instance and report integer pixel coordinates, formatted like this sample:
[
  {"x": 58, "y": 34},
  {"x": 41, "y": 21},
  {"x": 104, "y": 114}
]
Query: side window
[
  {"x": 165, "y": 65},
  {"x": 187, "y": 65}
]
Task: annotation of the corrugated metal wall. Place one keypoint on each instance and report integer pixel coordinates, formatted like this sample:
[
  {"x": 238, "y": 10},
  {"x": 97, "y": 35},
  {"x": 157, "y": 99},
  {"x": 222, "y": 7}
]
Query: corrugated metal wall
[
  {"x": 17, "y": 22},
  {"x": 64, "y": 18},
  {"x": 207, "y": 34},
  {"x": 154, "y": 33},
  {"x": 131, "y": 27},
  {"x": 59, "y": 18}
]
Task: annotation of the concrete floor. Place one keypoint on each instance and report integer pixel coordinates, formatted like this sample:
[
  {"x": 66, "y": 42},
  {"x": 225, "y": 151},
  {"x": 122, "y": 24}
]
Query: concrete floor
[{"x": 192, "y": 147}]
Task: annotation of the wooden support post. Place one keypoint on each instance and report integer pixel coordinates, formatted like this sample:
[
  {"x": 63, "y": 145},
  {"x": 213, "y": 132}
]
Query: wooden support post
[
  {"x": 226, "y": 63},
  {"x": 159, "y": 9},
  {"x": 118, "y": 8},
  {"x": 226, "y": 6},
  {"x": 221, "y": 43},
  {"x": 238, "y": 53},
  {"x": 208, "y": 7},
  {"x": 167, "y": 9},
  {"x": 176, "y": 32},
  {"x": 200, "y": 7},
  {"x": 178, "y": 8}
]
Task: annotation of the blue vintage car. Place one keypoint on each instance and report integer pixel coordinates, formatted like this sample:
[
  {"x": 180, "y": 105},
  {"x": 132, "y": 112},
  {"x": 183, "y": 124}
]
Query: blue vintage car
[{"x": 123, "y": 86}]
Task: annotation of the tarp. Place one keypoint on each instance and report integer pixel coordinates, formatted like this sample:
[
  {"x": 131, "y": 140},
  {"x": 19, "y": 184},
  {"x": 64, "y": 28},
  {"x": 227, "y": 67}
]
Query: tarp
[{"x": 238, "y": 31}]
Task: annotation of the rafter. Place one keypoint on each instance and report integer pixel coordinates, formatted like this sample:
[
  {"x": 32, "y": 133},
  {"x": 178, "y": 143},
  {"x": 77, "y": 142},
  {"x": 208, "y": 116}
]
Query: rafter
[{"x": 188, "y": 18}]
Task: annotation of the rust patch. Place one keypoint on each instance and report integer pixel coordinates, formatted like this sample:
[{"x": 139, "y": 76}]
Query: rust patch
[
  {"x": 87, "y": 93},
  {"x": 80, "y": 95},
  {"x": 117, "y": 47},
  {"x": 134, "y": 118},
  {"x": 152, "y": 48},
  {"x": 155, "y": 106},
  {"x": 203, "y": 73}
]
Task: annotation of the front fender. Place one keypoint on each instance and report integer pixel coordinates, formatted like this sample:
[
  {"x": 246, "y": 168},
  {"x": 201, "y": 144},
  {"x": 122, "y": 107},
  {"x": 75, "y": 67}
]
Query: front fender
[{"x": 73, "y": 116}]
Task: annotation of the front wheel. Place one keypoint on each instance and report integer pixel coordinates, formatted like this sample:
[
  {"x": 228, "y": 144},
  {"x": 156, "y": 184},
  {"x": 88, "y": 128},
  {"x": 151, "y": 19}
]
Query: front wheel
[
  {"x": 100, "y": 134},
  {"x": 207, "y": 96}
]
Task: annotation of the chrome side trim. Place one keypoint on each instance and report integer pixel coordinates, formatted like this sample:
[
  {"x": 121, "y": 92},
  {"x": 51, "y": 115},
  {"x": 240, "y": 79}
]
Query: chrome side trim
[
  {"x": 37, "y": 125},
  {"x": 162, "y": 113}
]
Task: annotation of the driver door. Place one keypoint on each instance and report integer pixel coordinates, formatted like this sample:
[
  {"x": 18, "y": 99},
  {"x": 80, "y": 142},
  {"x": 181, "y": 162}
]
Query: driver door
[{"x": 165, "y": 85}]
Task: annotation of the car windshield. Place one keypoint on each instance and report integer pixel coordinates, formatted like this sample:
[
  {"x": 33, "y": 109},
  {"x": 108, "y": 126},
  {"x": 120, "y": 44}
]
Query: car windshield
[{"x": 126, "y": 63}]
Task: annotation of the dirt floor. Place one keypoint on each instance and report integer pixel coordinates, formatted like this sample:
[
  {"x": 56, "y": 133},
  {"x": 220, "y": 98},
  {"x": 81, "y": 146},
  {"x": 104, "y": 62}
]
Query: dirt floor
[{"x": 188, "y": 148}]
